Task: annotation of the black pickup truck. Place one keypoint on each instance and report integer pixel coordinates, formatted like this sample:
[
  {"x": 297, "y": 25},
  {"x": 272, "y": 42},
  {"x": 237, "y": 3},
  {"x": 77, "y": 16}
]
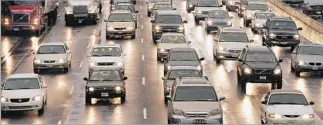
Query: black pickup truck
[
  {"x": 294, "y": 3},
  {"x": 314, "y": 10}
]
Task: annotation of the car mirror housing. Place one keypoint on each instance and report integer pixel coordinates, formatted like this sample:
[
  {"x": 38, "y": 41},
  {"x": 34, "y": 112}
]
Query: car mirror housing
[
  {"x": 85, "y": 79},
  {"x": 124, "y": 78},
  {"x": 163, "y": 78},
  {"x": 280, "y": 60},
  {"x": 185, "y": 21},
  {"x": 152, "y": 21},
  {"x": 221, "y": 98},
  {"x": 312, "y": 103},
  {"x": 202, "y": 58},
  {"x": 239, "y": 59},
  {"x": 299, "y": 28},
  {"x": 263, "y": 102}
]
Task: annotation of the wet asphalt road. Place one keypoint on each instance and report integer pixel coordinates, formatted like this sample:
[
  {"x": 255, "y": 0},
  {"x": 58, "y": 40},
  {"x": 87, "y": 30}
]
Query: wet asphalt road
[{"x": 144, "y": 100}]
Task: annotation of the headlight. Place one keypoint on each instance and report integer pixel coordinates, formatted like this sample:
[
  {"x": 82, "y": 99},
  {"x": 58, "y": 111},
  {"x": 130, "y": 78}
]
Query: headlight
[
  {"x": 274, "y": 116},
  {"x": 169, "y": 67},
  {"x": 130, "y": 28},
  {"x": 150, "y": 7},
  {"x": 230, "y": 2},
  {"x": 277, "y": 71},
  {"x": 162, "y": 50},
  {"x": 272, "y": 36},
  {"x": 209, "y": 22},
  {"x": 199, "y": 67},
  {"x": 157, "y": 28},
  {"x": 6, "y": 21},
  {"x": 118, "y": 88},
  {"x": 68, "y": 11},
  {"x": 308, "y": 116},
  {"x": 61, "y": 61},
  {"x": 221, "y": 49},
  {"x": 36, "y": 21},
  {"x": 4, "y": 99},
  {"x": 296, "y": 37},
  {"x": 119, "y": 63},
  {"x": 198, "y": 11},
  {"x": 215, "y": 112},
  {"x": 190, "y": 5},
  {"x": 247, "y": 70},
  {"x": 36, "y": 98},
  {"x": 110, "y": 28},
  {"x": 91, "y": 10},
  {"x": 178, "y": 112},
  {"x": 37, "y": 61},
  {"x": 258, "y": 25},
  {"x": 91, "y": 89},
  {"x": 92, "y": 64},
  {"x": 229, "y": 23},
  {"x": 301, "y": 63},
  {"x": 181, "y": 29}
]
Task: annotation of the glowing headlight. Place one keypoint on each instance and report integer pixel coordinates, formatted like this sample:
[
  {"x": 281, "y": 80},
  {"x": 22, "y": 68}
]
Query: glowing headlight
[
  {"x": 199, "y": 67},
  {"x": 157, "y": 28},
  {"x": 4, "y": 99},
  {"x": 275, "y": 116},
  {"x": 308, "y": 116},
  {"x": 162, "y": 50},
  {"x": 130, "y": 28},
  {"x": 296, "y": 37},
  {"x": 6, "y": 21},
  {"x": 36, "y": 98},
  {"x": 110, "y": 28},
  {"x": 258, "y": 25},
  {"x": 68, "y": 11},
  {"x": 198, "y": 11},
  {"x": 91, "y": 89},
  {"x": 272, "y": 36},
  {"x": 177, "y": 112},
  {"x": 222, "y": 49},
  {"x": 169, "y": 67},
  {"x": 150, "y": 7},
  {"x": 118, "y": 88},
  {"x": 37, "y": 61},
  {"x": 190, "y": 5},
  {"x": 277, "y": 71},
  {"x": 36, "y": 21},
  {"x": 229, "y": 23},
  {"x": 120, "y": 64},
  {"x": 61, "y": 61},
  {"x": 181, "y": 28},
  {"x": 247, "y": 71},
  {"x": 301, "y": 63},
  {"x": 209, "y": 22},
  {"x": 215, "y": 112},
  {"x": 92, "y": 64}
]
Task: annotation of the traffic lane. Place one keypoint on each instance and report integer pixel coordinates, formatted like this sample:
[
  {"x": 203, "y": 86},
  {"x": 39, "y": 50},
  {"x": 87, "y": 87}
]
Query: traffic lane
[{"x": 7, "y": 43}]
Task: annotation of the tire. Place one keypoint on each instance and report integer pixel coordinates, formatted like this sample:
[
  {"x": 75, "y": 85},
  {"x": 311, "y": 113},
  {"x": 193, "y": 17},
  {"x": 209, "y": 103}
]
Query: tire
[
  {"x": 54, "y": 17},
  {"x": 197, "y": 22},
  {"x": 69, "y": 23},
  {"x": 41, "y": 111},
  {"x": 87, "y": 100},
  {"x": 133, "y": 36},
  {"x": 38, "y": 33},
  {"x": 149, "y": 14},
  {"x": 36, "y": 70},
  {"x": 263, "y": 41},
  {"x": 261, "y": 121},
  {"x": 123, "y": 99},
  {"x": 217, "y": 60},
  {"x": 65, "y": 70},
  {"x": 208, "y": 31},
  {"x": 297, "y": 73},
  {"x": 280, "y": 85},
  {"x": 292, "y": 69},
  {"x": 158, "y": 59},
  {"x": 292, "y": 48}
]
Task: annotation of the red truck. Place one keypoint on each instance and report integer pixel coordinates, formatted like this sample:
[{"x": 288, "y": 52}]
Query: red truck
[{"x": 28, "y": 15}]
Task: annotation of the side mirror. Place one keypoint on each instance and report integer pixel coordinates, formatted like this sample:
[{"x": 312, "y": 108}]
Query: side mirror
[
  {"x": 152, "y": 21},
  {"x": 44, "y": 86},
  {"x": 185, "y": 21},
  {"x": 252, "y": 40},
  {"x": 231, "y": 17},
  {"x": 124, "y": 78},
  {"x": 163, "y": 78},
  {"x": 106, "y": 20},
  {"x": 299, "y": 28},
  {"x": 201, "y": 59},
  {"x": 280, "y": 60},
  {"x": 158, "y": 41},
  {"x": 174, "y": 8},
  {"x": 221, "y": 98},
  {"x": 221, "y": 6},
  {"x": 312, "y": 103},
  {"x": 263, "y": 102},
  {"x": 165, "y": 59},
  {"x": 189, "y": 42},
  {"x": 136, "y": 11},
  {"x": 239, "y": 59},
  {"x": 169, "y": 98},
  {"x": 85, "y": 79}
]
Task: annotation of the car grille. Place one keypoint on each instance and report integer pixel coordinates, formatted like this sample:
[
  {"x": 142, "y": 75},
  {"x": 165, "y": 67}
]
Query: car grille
[
  {"x": 104, "y": 88},
  {"x": 234, "y": 51},
  {"x": 263, "y": 71},
  {"x": 22, "y": 100},
  {"x": 220, "y": 23},
  {"x": 196, "y": 115},
  {"x": 20, "y": 18},
  {"x": 20, "y": 107},
  {"x": 119, "y": 28},
  {"x": 284, "y": 37},
  {"x": 205, "y": 12},
  {"x": 292, "y": 116},
  {"x": 105, "y": 63},
  {"x": 80, "y": 10},
  {"x": 314, "y": 64},
  {"x": 49, "y": 61}
]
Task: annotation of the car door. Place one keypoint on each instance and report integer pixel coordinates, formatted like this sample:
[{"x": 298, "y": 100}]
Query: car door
[
  {"x": 43, "y": 87},
  {"x": 263, "y": 107},
  {"x": 68, "y": 52},
  {"x": 294, "y": 56}
]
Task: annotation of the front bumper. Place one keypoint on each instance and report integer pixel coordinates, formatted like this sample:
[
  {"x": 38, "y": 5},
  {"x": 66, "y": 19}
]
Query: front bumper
[
  {"x": 309, "y": 68},
  {"x": 26, "y": 106},
  {"x": 297, "y": 121},
  {"x": 284, "y": 43},
  {"x": 232, "y": 7},
  {"x": 157, "y": 35},
  {"x": 215, "y": 27},
  {"x": 20, "y": 27},
  {"x": 50, "y": 65},
  {"x": 183, "y": 120},
  {"x": 200, "y": 16},
  {"x": 120, "y": 33},
  {"x": 121, "y": 68},
  {"x": 80, "y": 17},
  {"x": 227, "y": 55},
  {"x": 111, "y": 93},
  {"x": 262, "y": 78}
]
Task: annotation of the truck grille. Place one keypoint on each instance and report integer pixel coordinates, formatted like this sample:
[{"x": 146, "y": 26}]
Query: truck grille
[
  {"x": 20, "y": 18},
  {"x": 105, "y": 63},
  {"x": 263, "y": 71},
  {"x": 220, "y": 23},
  {"x": 315, "y": 64},
  {"x": 234, "y": 51},
  {"x": 22, "y": 100},
  {"x": 20, "y": 107},
  {"x": 49, "y": 61},
  {"x": 119, "y": 28},
  {"x": 80, "y": 10},
  {"x": 196, "y": 115},
  {"x": 169, "y": 29},
  {"x": 284, "y": 37}
]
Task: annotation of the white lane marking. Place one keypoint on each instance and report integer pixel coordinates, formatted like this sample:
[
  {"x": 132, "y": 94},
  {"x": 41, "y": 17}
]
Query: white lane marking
[
  {"x": 142, "y": 40},
  {"x": 145, "y": 113},
  {"x": 141, "y": 16},
  {"x": 71, "y": 90},
  {"x": 59, "y": 122},
  {"x": 140, "y": 7},
  {"x": 81, "y": 64},
  {"x": 142, "y": 26},
  {"x": 143, "y": 57},
  {"x": 143, "y": 80}
]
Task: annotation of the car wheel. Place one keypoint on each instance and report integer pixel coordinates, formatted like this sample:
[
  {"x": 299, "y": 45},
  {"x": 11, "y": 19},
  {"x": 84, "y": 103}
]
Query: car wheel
[
  {"x": 262, "y": 122},
  {"x": 292, "y": 69},
  {"x": 133, "y": 36},
  {"x": 169, "y": 121},
  {"x": 297, "y": 73},
  {"x": 36, "y": 70},
  {"x": 280, "y": 85},
  {"x": 158, "y": 59},
  {"x": 292, "y": 48},
  {"x": 217, "y": 60},
  {"x": 123, "y": 98},
  {"x": 197, "y": 22},
  {"x": 65, "y": 70},
  {"x": 41, "y": 111},
  {"x": 87, "y": 100},
  {"x": 165, "y": 100}
]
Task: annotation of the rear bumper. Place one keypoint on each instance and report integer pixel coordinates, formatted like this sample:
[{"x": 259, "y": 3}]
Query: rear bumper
[
  {"x": 256, "y": 78},
  {"x": 80, "y": 17},
  {"x": 112, "y": 94},
  {"x": 284, "y": 43}
]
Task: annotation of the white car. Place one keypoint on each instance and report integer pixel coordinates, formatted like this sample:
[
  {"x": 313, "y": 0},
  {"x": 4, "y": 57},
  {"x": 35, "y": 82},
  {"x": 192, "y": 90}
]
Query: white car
[
  {"x": 24, "y": 92},
  {"x": 259, "y": 19},
  {"x": 252, "y": 8},
  {"x": 286, "y": 107},
  {"x": 52, "y": 55},
  {"x": 168, "y": 41},
  {"x": 107, "y": 55}
]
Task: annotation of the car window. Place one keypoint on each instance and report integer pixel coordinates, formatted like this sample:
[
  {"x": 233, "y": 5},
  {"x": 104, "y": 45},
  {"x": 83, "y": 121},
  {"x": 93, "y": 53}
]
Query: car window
[
  {"x": 105, "y": 75},
  {"x": 163, "y": 7},
  {"x": 288, "y": 99},
  {"x": 283, "y": 25},
  {"x": 173, "y": 19},
  {"x": 125, "y": 7},
  {"x": 260, "y": 57},
  {"x": 311, "y": 50},
  {"x": 121, "y": 1},
  {"x": 219, "y": 14},
  {"x": 121, "y": 17},
  {"x": 262, "y": 7},
  {"x": 183, "y": 56},
  {"x": 51, "y": 49},
  {"x": 264, "y": 15},
  {"x": 195, "y": 93},
  {"x": 173, "y": 39},
  {"x": 208, "y": 3},
  {"x": 21, "y": 83},
  {"x": 233, "y": 37},
  {"x": 183, "y": 73},
  {"x": 106, "y": 51}
]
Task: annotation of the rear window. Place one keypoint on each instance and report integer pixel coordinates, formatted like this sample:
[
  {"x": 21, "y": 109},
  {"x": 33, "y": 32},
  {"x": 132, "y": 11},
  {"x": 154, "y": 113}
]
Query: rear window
[{"x": 195, "y": 93}]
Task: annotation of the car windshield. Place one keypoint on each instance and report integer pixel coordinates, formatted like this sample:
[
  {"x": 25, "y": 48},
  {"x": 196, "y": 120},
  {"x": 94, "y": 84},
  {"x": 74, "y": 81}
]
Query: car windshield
[
  {"x": 121, "y": 17},
  {"x": 288, "y": 99},
  {"x": 219, "y": 14},
  {"x": 262, "y": 7},
  {"x": 311, "y": 50},
  {"x": 105, "y": 75},
  {"x": 233, "y": 37},
  {"x": 121, "y": 1},
  {"x": 183, "y": 56},
  {"x": 155, "y": 1},
  {"x": 21, "y": 83},
  {"x": 264, "y": 15},
  {"x": 208, "y": 3},
  {"x": 23, "y": 2},
  {"x": 195, "y": 93},
  {"x": 173, "y": 39},
  {"x": 260, "y": 57},
  {"x": 106, "y": 51},
  {"x": 283, "y": 25},
  {"x": 163, "y": 7},
  {"x": 173, "y": 19},
  {"x": 125, "y": 7},
  {"x": 183, "y": 73},
  {"x": 51, "y": 49}
]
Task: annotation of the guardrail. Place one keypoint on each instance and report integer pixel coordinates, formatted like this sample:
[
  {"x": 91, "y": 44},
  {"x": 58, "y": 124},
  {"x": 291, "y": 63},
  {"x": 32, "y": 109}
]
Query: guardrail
[{"x": 312, "y": 29}]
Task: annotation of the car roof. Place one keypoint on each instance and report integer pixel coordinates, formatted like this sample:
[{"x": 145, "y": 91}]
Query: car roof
[
  {"x": 280, "y": 91},
  {"x": 23, "y": 75},
  {"x": 120, "y": 11},
  {"x": 107, "y": 45},
  {"x": 317, "y": 3},
  {"x": 168, "y": 12},
  {"x": 193, "y": 81},
  {"x": 172, "y": 34},
  {"x": 52, "y": 43},
  {"x": 232, "y": 29},
  {"x": 183, "y": 67},
  {"x": 281, "y": 18},
  {"x": 182, "y": 49}
]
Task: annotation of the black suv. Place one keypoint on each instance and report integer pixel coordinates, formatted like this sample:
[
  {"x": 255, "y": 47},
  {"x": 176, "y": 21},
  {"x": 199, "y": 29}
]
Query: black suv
[
  {"x": 294, "y": 3},
  {"x": 259, "y": 64},
  {"x": 314, "y": 10},
  {"x": 281, "y": 31}
]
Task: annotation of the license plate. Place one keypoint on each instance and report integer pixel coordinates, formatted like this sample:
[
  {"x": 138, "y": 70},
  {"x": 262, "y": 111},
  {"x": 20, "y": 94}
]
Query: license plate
[
  {"x": 80, "y": 21},
  {"x": 199, "y": 121},
  {"x": 263, "y": 77},
  {"x": 284, "y": 37},
  {"x": 15, "y": 29},
  {"x": 235, "y": 55},
  {"x": 104, "y": 94},
  {"x": 49, "y": 65},
  {"x": 119, "y": 32},
  {"x": 315, "y": 68}
]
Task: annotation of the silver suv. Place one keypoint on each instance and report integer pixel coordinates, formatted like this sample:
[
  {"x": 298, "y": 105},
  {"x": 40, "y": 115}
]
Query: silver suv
[
  {"x": 194, "y": 100},
  {"x": 121, "y": 23}
]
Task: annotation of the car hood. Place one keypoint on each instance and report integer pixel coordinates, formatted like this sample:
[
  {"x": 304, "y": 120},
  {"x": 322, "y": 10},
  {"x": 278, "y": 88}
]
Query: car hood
[
  {"x": 262, "y": 65},
  {"x": 260, "y": 21},
  {"x": 250, "y": 13},
  {"x": 197, "y": 106},
  {"x": 169, "y": 24},
  {"x": 106, "y": 59},
  {"x": 183, "y": 63},
  {"x": 24, "y": 93},
  {"x": 206, "y": 8},
  {"x": 214, "y": 20},
  {"x": 290, "y": 109},
  {"x": 171, "y": 45},
  {"x": 284, "y": 32},
  {"x": 233, "y": 45},
  {"x": 22, "y": 8},
  {"x": 51, "y": 56},
  {"x": 310, "y": 58},
  {"x": 120, "y": 24},
  {"x": 80, "y": 2},
  {"x": 104, "y": 83}
]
